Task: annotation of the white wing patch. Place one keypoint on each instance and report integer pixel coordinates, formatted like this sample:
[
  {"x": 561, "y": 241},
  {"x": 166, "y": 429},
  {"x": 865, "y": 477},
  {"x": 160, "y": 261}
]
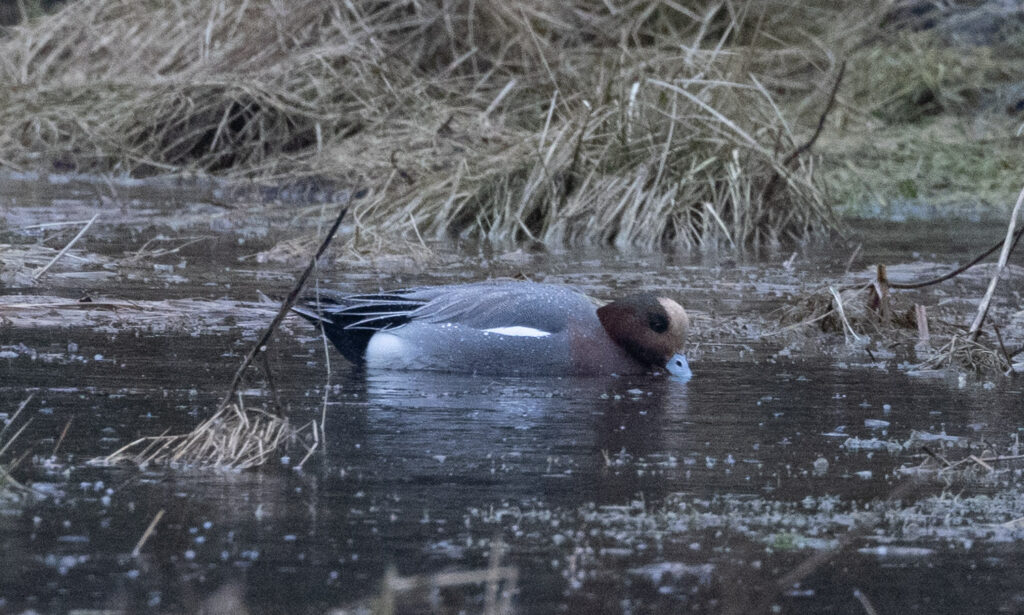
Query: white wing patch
[{"x": 518, "y": 331}]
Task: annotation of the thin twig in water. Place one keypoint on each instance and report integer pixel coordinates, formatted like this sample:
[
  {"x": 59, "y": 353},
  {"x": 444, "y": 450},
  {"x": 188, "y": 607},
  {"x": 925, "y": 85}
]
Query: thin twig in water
[
  {"x": 1002, "y": 347},
  {"x": 63, "y": 433},
  {"x": 769, "y": 189},
  {"x": 46, "y": 225},
  {"x": 853, "y": 257},
  {"x": 14, "y": 417},
  {"x": 7, "y": 444},
  {"x": 864, "y": 602},
  {"x": 958, "y": 270},
  {"x": 981, "y": 462},
  {"x": 286, "y": 306},
  {"x": 147, "y": 533},
  {"x": 945, "y": 463},
  {"x": 145, "y": 252},
  {"x": 312, "y": 449},
  {"x": 842, "y": 314},
  {"x": 821, "y": 558},
  {"x": 326, "y": 347},
  {"x": 38, "y": 274}
]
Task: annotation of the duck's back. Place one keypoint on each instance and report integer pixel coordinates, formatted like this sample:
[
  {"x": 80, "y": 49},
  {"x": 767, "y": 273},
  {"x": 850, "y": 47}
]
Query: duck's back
[{"x": 487, "y": 328}]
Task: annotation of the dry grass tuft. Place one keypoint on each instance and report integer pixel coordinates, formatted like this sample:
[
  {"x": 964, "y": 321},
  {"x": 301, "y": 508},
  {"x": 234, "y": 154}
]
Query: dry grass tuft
[
  {"x": 639, "y": 125},
  {"x": 963, "y": 353},
  {"x": 234, "y": 438},
  {"x": 857, "y": 312},
  {"x": 9, "y": 486}
]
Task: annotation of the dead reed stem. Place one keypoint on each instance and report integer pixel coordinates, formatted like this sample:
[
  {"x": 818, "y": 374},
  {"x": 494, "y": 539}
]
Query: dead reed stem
[
  {"x": 8, "y": 482},
  {"x": 1008, "y": 243},
  {"x": 286, "y": 307},
  {"x": 821, "y": 558},
  {"x": 17, "y": 412},
  {"x": 63, "y": 434},
  {"x": 149, "y": 532},
  {"x": 500, "y": 584},
  {"x": 865, "y": 602},
  {"x": 769, "y": 190},
  {"x": 39, "y": 274}
]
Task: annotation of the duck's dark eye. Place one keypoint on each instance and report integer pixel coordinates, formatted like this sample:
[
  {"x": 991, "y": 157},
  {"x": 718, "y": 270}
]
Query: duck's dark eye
[{"x": 657, "y": 322}]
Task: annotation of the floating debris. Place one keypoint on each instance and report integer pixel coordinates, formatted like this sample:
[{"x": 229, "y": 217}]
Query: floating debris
[
  {"x": 872, "y": 444},
  {"x": 23, "y": 265}
]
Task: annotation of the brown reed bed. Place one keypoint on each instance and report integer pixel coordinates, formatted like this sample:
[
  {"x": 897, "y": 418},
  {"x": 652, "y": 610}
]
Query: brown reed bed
[{"x": 640, "y": 125}]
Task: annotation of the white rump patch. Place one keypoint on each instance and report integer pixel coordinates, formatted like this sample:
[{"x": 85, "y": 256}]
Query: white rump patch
[
  {"x": 518, "y": 331},
  {"x": 387, "y": 350}
]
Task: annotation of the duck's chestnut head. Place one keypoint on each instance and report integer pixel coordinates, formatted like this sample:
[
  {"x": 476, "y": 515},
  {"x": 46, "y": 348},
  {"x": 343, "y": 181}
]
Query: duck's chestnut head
[{"x": 650, "y": 328}]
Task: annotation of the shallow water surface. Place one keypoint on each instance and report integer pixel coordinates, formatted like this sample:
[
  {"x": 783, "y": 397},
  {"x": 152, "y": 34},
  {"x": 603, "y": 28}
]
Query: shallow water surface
[
  {"x": 606, "y": 494},
  {"x": 424, "y": 471}
]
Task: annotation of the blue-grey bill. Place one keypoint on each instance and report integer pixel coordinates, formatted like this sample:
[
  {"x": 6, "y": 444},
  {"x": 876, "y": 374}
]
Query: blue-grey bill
[{"x": 679, "y": 368}]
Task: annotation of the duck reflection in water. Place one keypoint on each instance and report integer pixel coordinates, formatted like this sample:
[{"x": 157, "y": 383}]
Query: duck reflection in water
[{"x": 507, "y": 437}]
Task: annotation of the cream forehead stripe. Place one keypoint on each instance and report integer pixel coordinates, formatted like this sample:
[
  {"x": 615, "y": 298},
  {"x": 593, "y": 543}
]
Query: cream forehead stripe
[{"x": 676, "y": 313}]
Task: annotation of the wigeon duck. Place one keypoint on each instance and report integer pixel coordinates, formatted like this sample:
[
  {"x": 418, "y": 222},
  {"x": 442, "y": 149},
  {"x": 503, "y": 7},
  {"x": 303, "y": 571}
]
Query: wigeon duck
[{"x": 504, "y": 327}]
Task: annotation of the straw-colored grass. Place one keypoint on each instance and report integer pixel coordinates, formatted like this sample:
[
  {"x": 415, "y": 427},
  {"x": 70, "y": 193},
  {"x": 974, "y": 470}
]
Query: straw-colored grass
[
  {"x": 914, "y": 75},
  {"x": 922, "y": 121},
  {"x": 234, "y": 438},
  {"x": 961, "y": 352},
  {"x": 630, "y": 124},
  {"x": 10, "y": 486}
]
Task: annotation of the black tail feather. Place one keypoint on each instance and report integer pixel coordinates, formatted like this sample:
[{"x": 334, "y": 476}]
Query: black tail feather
[{"x": 350, "y": 321}]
